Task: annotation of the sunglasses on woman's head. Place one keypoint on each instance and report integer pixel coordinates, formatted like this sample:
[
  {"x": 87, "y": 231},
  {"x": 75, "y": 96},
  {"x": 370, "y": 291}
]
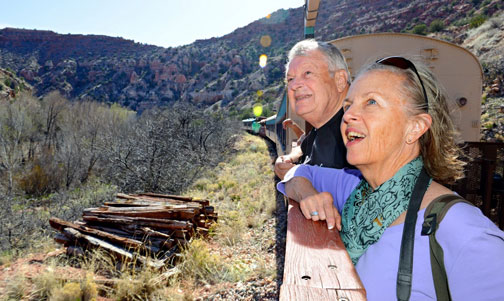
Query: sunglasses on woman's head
[{"x": 402, "y": 63}]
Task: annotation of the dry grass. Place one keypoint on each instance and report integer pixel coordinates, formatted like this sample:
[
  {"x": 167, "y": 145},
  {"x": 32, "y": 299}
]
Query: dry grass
[{"x": 16, "y": 288}]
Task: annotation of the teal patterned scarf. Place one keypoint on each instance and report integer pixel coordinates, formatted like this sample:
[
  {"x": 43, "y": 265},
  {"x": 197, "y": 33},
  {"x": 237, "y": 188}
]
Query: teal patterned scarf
[{"x": 368, "y": 213}]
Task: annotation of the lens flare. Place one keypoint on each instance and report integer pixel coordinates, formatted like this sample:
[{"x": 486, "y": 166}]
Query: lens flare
[
  {"x": 263, "y": 60},
  {"x": 257, "y": 109},
  {"x": 265, "y": 41},
  {"x": 256, "y": 127}
]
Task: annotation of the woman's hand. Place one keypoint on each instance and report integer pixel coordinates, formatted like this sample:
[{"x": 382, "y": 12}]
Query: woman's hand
[{"x": 320, "y": 207}]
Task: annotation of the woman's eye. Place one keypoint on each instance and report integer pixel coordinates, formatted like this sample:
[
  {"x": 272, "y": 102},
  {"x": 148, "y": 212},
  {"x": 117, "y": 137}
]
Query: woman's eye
[
  {"x": 371, "y": 102},
  {"x": 308, "y": 73},
  {"x": 345, "y": 107}
]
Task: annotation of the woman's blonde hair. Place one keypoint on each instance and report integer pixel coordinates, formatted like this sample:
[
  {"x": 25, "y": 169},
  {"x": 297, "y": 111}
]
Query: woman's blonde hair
[{"x": 438, "y": 147}]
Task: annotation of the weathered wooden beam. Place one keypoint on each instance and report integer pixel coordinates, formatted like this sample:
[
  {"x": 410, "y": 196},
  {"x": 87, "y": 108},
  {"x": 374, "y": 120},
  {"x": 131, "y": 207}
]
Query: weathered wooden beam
[
  {"x": 139, "y": 221},
  {"x": 160, "y": 207},
  {"x": 164, "y": 205},
  {"x": 125, "y": 196},
  {"x": 167, "y": 204},
  {"x": 166, "y": 196},
  {"x": 155, "y": 238},
  {"x": 146, "y": 212},
  {"x": 88, "y": 240},
  {"x": 157, "y": 197}
]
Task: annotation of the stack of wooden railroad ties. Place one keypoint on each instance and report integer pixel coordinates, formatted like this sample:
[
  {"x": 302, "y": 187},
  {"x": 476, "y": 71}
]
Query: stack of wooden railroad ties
[{"x": 147, "y": 229}]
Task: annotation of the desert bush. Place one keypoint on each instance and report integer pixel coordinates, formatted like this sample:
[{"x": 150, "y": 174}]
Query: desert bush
[
  {"x": 477, "y": 20},
  {"x": 494, "y": 23},
  {"x": 436, "y": 25},
  {"x": 48, "y": 287},
  {"x": 45, "y": 284},
  {"x": 199, "y": 264},
  {"x": 461, "y": 21},
  {"x": 420, "y": 29},
  {"x": 89, "y": 289},
  {"x": 139, "y": 285},
  {"x": 38, "y": 181},
  {"x": 71, "y": 291}
]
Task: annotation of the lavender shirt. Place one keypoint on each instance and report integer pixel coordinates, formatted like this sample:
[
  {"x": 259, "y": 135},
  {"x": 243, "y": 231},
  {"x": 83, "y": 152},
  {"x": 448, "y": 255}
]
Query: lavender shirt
[{"x": 473, "y": 246}]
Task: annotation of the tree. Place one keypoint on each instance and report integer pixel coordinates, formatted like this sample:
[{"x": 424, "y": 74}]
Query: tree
[
  {"x": 16, "y": 130},
  {"x": 52, "y": 106}
]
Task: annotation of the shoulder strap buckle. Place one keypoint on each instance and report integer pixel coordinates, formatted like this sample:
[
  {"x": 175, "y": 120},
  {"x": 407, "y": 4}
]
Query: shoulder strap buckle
[{"x": 429, "y": 224}]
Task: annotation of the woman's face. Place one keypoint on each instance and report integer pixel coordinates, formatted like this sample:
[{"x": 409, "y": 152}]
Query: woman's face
[{"x": 375, "y": 122}]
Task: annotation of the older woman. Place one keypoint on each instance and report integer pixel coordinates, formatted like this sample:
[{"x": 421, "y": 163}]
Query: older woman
[{"x": 397, "y": 129}]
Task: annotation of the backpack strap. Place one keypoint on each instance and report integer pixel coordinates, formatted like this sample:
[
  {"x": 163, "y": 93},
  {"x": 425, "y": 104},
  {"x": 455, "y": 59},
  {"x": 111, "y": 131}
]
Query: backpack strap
[
  {"x": 405, "y": 272},
  {"x": 434, "y": 214}
]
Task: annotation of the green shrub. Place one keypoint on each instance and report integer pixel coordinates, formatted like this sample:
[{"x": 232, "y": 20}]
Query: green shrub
[
  {"x": 477, "y": 20},
  {"x": 436, "y": 25},
  {"x": 420, "y": 29}
]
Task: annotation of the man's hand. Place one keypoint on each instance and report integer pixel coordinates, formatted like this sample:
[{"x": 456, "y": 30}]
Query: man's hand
[
  {"x": 320, "y": 207},
  {"x": 282, "y": 165}
]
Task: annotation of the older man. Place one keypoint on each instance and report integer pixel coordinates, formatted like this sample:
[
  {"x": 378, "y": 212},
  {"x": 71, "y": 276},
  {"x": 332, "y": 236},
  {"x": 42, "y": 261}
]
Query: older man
[{"x": 317, "y": 82}]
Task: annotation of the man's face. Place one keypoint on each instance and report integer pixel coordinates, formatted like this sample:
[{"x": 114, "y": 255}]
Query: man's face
[{"x": 313, "y": 93}]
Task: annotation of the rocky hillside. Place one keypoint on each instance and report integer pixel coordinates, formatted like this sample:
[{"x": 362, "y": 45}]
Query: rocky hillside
[
  {"x": 224, "y": 72},
  {"x": 10, "y": 84}
]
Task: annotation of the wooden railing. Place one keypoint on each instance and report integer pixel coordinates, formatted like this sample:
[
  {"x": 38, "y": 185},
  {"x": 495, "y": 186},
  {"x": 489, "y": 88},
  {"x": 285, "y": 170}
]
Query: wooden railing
[
  {"x": 483, "y": 184},
  {"x": 317, "y": 266}
]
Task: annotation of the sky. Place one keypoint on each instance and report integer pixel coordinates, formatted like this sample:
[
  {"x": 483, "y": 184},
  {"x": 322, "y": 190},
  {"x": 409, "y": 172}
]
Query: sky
[{"x": 166, "y": 23}]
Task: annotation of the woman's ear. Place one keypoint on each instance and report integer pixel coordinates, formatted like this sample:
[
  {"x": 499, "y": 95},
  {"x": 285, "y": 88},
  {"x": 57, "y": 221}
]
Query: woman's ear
[{"x": 419, "y": 124}]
